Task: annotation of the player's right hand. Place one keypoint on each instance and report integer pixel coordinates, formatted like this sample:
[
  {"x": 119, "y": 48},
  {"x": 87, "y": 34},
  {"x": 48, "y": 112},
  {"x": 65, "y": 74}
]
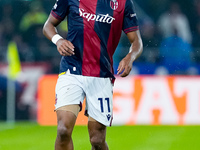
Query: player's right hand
[{"x": 65, "y": 47}]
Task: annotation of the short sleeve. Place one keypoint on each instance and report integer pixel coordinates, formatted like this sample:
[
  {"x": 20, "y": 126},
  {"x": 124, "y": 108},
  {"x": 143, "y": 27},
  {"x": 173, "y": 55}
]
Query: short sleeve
[
  {"x": 60, "y": 9},
  {"x": 130, "y": 22}
]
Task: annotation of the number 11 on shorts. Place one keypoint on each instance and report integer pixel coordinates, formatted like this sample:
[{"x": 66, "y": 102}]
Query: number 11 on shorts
[{"x": 102, "y": 102}]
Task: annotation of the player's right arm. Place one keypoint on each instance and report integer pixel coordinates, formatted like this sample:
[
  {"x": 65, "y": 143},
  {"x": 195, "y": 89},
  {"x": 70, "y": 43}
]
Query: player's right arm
[{"x": 64, "y": 47}]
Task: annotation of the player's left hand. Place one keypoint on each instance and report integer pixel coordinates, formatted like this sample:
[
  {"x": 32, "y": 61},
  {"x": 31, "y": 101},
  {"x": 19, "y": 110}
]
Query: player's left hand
[{"x": 125, "y": 66}]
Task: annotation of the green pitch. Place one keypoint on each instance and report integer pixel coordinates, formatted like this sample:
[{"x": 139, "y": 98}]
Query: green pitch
[{"x": 30, "y": 136}]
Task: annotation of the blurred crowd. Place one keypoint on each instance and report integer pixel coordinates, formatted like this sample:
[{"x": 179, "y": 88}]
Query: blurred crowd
[
  {"x": 170, "y": 31},
  {"x": 22, "y": 22}
]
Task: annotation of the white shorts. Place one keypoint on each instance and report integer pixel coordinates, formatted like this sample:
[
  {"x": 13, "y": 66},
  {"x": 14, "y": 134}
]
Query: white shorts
[{"x": 72, "y": 89}]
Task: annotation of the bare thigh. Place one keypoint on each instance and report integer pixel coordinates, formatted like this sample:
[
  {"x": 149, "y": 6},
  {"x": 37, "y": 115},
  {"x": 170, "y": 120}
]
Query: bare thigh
[{"x": 66, "y": 118}]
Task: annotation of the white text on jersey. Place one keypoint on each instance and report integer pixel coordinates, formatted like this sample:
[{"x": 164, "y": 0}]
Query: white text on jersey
[{"x": 100, "y": 17}]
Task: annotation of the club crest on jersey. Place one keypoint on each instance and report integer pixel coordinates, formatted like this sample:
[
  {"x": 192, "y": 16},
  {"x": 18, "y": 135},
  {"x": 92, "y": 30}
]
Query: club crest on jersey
[{"x": 114, "y": 4}]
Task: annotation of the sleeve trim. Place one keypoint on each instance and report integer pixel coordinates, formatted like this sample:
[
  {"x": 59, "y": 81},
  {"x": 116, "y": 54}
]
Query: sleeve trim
[
  {"x": 131, "y": 29},
  {"x": 56, "y": 16}
]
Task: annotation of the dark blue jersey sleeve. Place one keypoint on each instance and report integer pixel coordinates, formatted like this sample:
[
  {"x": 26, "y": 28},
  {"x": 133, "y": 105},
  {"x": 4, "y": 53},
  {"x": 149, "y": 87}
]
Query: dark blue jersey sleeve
[
  {"x": 130, "y": 22},
  {"x": 60, "y": 9}
]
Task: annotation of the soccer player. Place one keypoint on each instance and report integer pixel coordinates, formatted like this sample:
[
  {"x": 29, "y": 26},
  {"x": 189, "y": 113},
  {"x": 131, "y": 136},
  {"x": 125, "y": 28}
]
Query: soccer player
[{"x": 86, "y": 68}]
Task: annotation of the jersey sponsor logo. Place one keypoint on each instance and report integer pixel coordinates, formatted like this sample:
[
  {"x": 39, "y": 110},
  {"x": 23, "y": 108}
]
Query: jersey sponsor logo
[
  {"x": 114, "y": 4},
  {"x": 99, "y": 17}
]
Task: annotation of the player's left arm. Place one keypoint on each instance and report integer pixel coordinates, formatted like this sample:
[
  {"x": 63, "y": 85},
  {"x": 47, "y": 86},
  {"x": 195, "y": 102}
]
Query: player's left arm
[{"x": 135, "y": 51}]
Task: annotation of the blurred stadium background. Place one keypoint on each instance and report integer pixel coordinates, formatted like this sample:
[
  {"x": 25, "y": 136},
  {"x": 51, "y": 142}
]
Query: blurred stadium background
[{"x": 163, "y": 88}]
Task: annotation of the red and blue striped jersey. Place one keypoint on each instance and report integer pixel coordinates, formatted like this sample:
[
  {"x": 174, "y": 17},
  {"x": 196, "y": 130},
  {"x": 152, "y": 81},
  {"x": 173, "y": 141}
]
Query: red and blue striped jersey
[{"x": 94, "y": 28}]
